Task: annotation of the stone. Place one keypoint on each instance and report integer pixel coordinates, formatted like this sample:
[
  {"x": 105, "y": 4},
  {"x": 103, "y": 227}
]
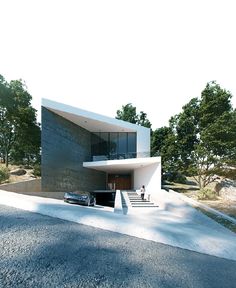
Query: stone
[{"x": 18, "y": 172}]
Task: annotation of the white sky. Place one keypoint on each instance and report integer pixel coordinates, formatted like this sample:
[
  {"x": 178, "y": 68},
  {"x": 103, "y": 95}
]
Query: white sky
[{"x": 99, "y": 55}]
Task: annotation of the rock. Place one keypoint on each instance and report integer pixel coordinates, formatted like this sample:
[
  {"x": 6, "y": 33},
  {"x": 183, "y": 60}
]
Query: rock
[
  {"x": 228, "y": 190},
  {"x": 18, "y": 172}
]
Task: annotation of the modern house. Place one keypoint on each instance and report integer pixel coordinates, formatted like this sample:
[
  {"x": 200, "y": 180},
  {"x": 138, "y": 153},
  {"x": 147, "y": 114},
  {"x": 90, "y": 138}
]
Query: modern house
[{"x": 85, "y": 151}]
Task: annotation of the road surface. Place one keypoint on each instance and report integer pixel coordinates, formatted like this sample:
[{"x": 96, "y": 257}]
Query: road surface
[{"x": 40, "y": 251}]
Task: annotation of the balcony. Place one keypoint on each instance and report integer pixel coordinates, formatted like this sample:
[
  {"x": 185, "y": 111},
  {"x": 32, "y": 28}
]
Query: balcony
[{"x": 118, "y": 156}]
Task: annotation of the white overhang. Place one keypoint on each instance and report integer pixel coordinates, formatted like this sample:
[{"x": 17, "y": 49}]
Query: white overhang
[
  {"x": 122, "y": 165},
  {"x": 90, "y": 121}
]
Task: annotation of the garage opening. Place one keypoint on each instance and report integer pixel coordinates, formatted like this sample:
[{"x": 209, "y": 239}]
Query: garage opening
[{"x": 105, "y": 198}]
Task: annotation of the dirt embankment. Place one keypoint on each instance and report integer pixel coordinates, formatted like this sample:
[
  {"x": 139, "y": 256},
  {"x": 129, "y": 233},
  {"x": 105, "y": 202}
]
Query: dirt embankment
[{"x": 225, "y": 194}]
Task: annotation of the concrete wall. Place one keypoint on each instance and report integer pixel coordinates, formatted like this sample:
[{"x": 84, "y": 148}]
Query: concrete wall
[
  {"x": 65, "y": 146},
  {"x": 150, "y": 176},
  {"x": 33, "y": 185},
  {"x": 143, "y": 142}
]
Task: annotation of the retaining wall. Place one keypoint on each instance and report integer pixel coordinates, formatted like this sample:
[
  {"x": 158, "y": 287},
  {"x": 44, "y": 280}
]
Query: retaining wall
[{"x": 33, "y": 185}]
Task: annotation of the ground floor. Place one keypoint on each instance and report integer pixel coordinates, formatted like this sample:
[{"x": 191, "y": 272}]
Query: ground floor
[{"x": 129, "y": 174}]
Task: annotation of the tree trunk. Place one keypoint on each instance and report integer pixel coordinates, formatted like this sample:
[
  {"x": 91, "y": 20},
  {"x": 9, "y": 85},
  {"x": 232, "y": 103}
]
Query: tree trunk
[
  {"x": 28, "y": 161},
  {"x": 6, "y": 159}
]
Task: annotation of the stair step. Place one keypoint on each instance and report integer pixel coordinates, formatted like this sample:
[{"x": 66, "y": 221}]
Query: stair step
[
  {"x": 143, "y": 203},
  {"x": 137, "y": 206},
  {"x": 137, "y": 202}
]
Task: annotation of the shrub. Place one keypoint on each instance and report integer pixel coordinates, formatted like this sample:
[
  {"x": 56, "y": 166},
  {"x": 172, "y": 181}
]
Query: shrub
[
  {"x": 206, "y": 194},
  {"x": 174, "y": 177},
  {"x": 4, "y": 174},
  {"x": 37, "y": 170}
]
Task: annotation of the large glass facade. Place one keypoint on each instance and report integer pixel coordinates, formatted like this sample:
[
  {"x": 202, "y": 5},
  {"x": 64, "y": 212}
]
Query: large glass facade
[{"x": 113, "y": 145}]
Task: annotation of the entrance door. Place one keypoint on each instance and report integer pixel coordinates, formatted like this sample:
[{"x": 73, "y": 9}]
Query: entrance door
[{"x": 122, "y": 182}]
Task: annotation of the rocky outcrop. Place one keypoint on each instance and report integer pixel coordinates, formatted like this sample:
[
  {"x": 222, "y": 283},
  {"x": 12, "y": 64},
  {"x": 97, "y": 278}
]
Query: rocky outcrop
[
  {"x": 227, "y": 189},
  {"x": 18, "y": 172}
]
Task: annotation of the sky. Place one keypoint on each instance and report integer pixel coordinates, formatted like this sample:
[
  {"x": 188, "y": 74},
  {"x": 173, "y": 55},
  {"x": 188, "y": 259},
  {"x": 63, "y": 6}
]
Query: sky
[{"x": 99, "y": 55}]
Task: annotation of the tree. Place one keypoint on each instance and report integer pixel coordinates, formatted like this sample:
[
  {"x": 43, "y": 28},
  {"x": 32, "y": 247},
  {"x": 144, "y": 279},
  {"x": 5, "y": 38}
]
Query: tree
[
  {"x": 186, "y": 127},
  {"x": 7, "y": 126},
  {"x": 200, "y": 140},
  {"x": 158, "y": 140},
  {"x": 19, "y": 130},
  {"x": 217, "y": 134},
  {"x": 142, "y": 120},
  {"x": 214, "y": 102},
  {"x": 128, "y": 113}
]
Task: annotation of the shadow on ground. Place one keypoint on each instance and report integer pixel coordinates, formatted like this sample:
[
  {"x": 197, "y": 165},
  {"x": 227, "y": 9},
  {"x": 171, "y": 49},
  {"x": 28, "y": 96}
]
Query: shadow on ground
[{"x": 42, "y": 251}]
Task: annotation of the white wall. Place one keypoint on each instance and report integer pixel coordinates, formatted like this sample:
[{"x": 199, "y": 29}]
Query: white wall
[
  {"x": 143, "y": 142},
  {"x": 150, "y": 176}
]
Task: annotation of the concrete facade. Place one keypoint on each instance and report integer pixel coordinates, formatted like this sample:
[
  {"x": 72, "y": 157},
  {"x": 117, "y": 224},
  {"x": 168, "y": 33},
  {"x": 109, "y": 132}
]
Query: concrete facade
[
  {"x": 67, "y": 162},
  {"x": 65, "y": 147}
]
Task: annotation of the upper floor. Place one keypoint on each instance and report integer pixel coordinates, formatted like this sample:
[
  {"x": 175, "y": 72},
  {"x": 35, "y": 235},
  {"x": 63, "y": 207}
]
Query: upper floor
[{"x": 110, "y": 138}]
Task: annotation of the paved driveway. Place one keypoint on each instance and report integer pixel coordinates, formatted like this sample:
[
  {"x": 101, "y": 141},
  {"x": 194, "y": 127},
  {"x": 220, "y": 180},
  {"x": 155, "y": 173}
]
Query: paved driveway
[
  {"x": 40, "y": 251},
  {"x": 185, "y": 227}
]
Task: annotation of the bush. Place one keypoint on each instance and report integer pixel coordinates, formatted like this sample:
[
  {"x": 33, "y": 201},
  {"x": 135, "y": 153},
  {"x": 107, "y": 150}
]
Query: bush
[
  {"x": 206, "y": 194},
  {"x": 37, "y": 170},
  {"x": 4, "y": 174},
  {"x": 174, "y": 177}
]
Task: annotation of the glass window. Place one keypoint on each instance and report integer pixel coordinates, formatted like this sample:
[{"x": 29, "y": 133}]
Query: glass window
[
  {"x": 104, "y": 143},
  {"x": 122, "y": 144},
  {"x": 132, "y": 144},
  {"x": 95, "y": 147},
  {"x": 113, "y": 145}
]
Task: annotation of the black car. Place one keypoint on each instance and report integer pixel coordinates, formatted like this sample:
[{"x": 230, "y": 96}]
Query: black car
[{"x": 81, "y": 199}]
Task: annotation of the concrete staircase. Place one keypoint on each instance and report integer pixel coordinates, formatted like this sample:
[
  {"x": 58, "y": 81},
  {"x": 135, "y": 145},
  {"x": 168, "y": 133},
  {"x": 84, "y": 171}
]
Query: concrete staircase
[{"x": 137, "y": 202}]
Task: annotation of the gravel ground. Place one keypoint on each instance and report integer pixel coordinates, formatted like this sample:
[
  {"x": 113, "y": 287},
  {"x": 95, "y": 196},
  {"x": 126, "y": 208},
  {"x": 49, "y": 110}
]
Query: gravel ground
[{"x": 40, "y": 251}]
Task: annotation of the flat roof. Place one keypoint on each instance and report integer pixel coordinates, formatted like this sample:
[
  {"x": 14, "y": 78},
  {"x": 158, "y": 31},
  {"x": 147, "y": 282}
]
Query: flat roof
[
  {"x": 121, "y": 165},
  {"x": 90, "y": 121}
]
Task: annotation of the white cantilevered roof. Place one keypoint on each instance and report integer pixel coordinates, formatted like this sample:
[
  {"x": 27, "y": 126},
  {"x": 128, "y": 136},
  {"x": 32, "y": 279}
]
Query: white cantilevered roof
[
  {"x": 90, "y": 121},
  {"x": 122, "y": 165}
]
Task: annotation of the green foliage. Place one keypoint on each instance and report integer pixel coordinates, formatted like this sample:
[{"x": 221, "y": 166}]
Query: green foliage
[
  {"x": 142, "y": 120},
  {"x": 163, "y": 144},
  {"x": 204, "y": 165},
  {"x": 159, "y": 140},
  {"x": 175, "y": 177},
  {"x": 128, "y": 113},
  {"x": 215, "y": 101},
  {"x": 200, "y": 141},
  {"x": 206, "y": 194},
  {"x": 217, "y": 134},
  {"x": 37, "y": 170},
  {"x": 19, "y": 131},
  {"x": 4, "y": 174}
]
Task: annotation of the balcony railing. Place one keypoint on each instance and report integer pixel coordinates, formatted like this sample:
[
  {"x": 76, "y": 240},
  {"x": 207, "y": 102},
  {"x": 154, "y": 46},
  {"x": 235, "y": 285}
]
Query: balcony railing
[{"x": 117, "y": 156}]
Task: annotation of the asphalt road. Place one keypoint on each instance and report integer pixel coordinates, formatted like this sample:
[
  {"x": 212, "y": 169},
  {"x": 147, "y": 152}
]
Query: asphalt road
[{"x": 40, "y": 251}]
